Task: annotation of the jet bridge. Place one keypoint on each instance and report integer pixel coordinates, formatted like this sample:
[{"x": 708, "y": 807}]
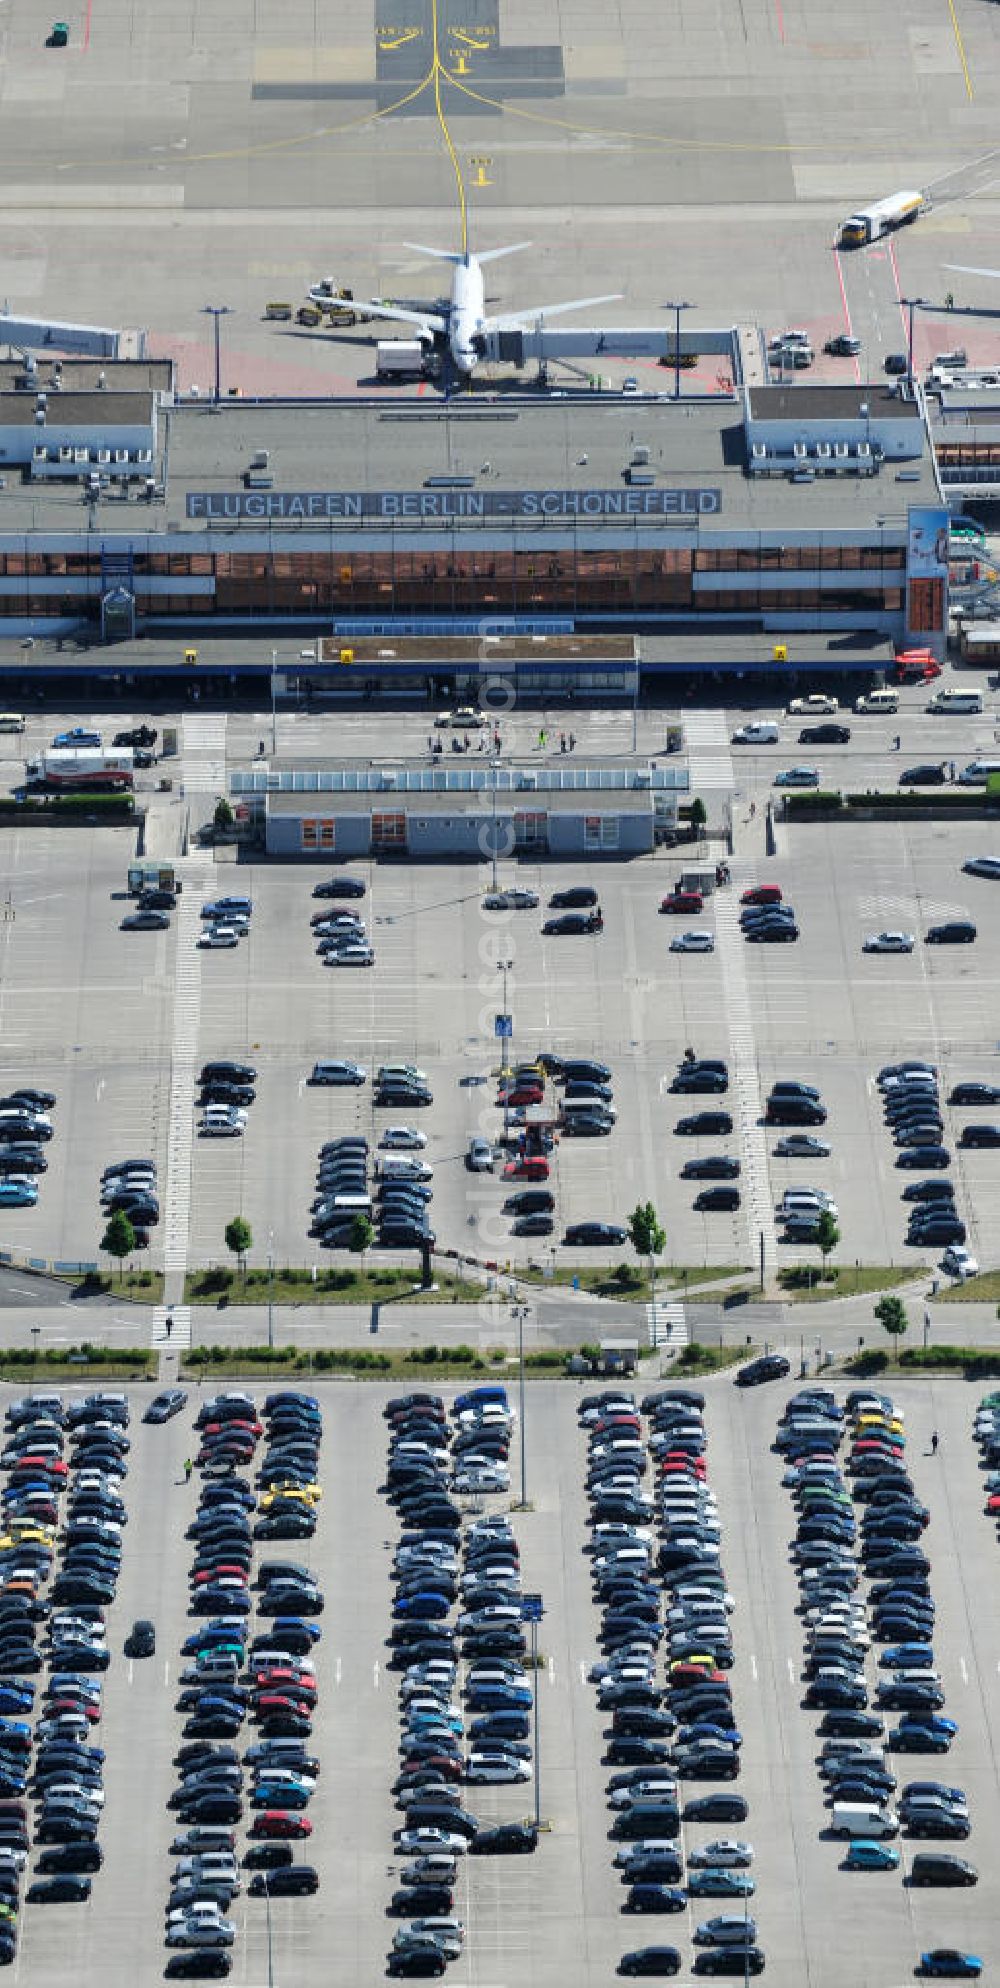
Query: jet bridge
[
  {"x": 536, "y": 344},
  {"x": 85, "y": 341}
]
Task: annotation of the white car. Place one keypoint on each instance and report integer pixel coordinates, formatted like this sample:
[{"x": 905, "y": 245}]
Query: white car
[
  {"x": 482, "y": 1479},
  {"x": 726, "y": 1851},
  {"x": 889, "y": 942},
  {"x": 76, "y": 1791},
  {"x": 220, "y": 1128},
  {"x": 802, "y": 1146},
  {"x": 465, "y": 717},
  {"x": 481, "y": 1768},
  {"x": 479, "y": 1158},
  {"x": 424, "y": 1842},
  {"x": 816, "y": 704},
  {"x": 201, "y": 1933},
  {"x": 351, "y": 956},
  {"x": 218, "y": 936},
  {"x": 763, "y": 733},
  {"x": 693, "y": 942},
  {"x": 402, "y": 1137},
  {"x": 959, "y": 1262},
  {"x": 511, "y": 900}
]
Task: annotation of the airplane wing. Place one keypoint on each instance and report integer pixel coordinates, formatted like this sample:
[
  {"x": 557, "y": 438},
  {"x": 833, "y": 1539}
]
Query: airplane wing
[
  {"x": 430, "y": 322},
  {"x": 511, "y": 320}
]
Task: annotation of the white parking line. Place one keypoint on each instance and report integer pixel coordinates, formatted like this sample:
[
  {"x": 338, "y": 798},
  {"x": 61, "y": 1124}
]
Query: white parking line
[
  {"x": 583, "y": 1671},
  {"x": 375, "y": 1673},
  {"x": 791, "y": 1670},
  {"x": 753, "y": 1667},
  {"x": 338, "y": 1671},
  {"x": 552, "y": 1670},
  {"x": 963, "y": 1667}
]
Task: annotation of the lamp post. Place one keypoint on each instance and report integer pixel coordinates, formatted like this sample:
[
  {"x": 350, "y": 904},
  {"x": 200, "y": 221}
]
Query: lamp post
[
  {"x": 532, "y": 1612},
  {"x": 493, "y": 831},
  {"x": 912, "y": 304},
  {"x": 270, "y": 1287},
  {"x": 677, "y": 308},
  {"x": 215, "y": 312},
  {"x": 274, "y": 711},
  {"x": 35, "y": 1331},
  {"x": 520, "y": 1313},
  {"x": 504, "y": 966}
]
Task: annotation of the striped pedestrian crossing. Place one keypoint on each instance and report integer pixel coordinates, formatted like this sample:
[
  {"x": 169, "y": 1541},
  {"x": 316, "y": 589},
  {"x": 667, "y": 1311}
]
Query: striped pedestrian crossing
[
  {"x": 667, "y": 1325},
  {"x": 179, "y": 1336}
]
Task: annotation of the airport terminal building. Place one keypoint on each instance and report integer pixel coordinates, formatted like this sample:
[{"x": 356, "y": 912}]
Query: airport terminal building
[{"x": 725, "y": 524}]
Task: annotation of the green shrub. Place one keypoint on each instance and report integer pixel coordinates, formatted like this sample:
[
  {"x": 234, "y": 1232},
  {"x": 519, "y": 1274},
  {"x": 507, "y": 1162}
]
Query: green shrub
[
  {"x": 626, "y": 1276},
  {"x": 871, "y": 1360},
  {"x": 812, "y": 801}
]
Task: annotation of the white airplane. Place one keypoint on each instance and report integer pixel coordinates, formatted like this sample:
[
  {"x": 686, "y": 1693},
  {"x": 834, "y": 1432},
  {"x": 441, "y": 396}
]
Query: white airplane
[{"x": 461, "y": 319}]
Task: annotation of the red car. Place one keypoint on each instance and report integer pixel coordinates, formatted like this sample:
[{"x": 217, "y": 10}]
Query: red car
[
  {"x": 277, "y": 1705},
  {"x": 531, "y": 1167},
  {"x": 762, "y": 894},
  {"x": 279, "y": 1822},
  {"x": 685, "y": 1673},
  {"x": 683, "y": 900},
  {"x": 286, "y": 1683},
  {"x": 522, "y": 1095},
  {"x": 234, "y": 1428},
  {"x": 39, "y": 1466},
  {"x": 993, "y": 1505}
]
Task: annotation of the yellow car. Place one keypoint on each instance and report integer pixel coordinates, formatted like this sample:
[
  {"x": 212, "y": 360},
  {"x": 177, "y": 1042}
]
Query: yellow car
[
  {"x": 889, "y": 1425},
  {"x": 306, "y": 1494},
  {"x": 22, "y": 1534}
]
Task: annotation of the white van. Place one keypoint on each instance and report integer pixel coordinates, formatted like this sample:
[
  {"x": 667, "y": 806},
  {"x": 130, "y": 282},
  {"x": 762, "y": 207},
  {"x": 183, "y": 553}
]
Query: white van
[
  {"x": 351, "y": 1204},
  {"x": 11, "y": 721},
  {"x": 876, "y": 701},
  {"x": 864, "y": 1819},
  {"x": 803, "y": 1201},
  {"x": 764, "y": 732},
  {"x": 955, "y": 700},
  {"x": 406, "y": 1165}
]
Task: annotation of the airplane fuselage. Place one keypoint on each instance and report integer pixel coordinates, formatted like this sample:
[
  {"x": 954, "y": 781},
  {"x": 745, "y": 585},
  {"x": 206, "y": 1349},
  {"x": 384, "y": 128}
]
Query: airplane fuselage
[{"x": 468, "y": 310}]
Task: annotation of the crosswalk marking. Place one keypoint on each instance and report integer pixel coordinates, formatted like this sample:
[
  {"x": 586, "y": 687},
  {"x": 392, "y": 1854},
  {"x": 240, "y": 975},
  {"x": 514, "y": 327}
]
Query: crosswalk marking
[
  {"x": 666, "y": 1324},
  {"x": 710, "y": 762},
  {"x": 756, "y": 1193},
  {"x": 179, "y": 1335}
]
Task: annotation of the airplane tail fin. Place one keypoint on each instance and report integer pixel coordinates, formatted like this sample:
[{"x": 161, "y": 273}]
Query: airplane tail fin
[
  {"x": 450, "y": 255},
  {"x": 493, "y": 255}
]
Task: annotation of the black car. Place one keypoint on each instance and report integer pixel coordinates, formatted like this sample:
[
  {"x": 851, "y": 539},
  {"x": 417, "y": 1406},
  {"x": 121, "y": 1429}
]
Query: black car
[
  {"x": 777, "y": 932},
  {"x": 341, "y": 887},
  {"x": 650, "y": 1960},
  {"x": 506, "y": 1838},
  {"x": 929, "y": 1190},
  {"x": 139, "y": 735},
  {"x": 975, "y": 1094},
  {"x": 929, "y": 775},
  {"x": 696, "y": 1078},
  {"x": 598, "y": 1235},
  {"x": 227, "y": 1073},
  {"x": 534, "y": 1225},
  {"x": 825, "y": 735},
  {"x": 570, "y": 923},
  {"x": 197, "y": 1963},
  {"x": 530, "y": 1201},
  {"x": 716, "y": 1166},
  {"x": 22, "y": 1159},
  {"x": 145, "y": 920},
  {"x": 980, "y": 1135},
  {"x": 769, "y": 1367},
  {"x": 842, "y": 346},
  {"x": 34, "y": 1099},
  {"x": 738, "y": 1960},
  {"x": 719, "y": 1807},
  {"x": 141, "y": 1641},
  {"x": 579, "y": 896},
  {"x": 702, "y": 1124},
  {"x": 157, "y": 900},
  {"x": 794, "y": 1111},
  {"x": 923, "y": 1156},
  {"x": 292, "y": 1881},
  {"x": 417, "y": 1961},
  {"x": 714, "y": 1199},
  {"x": 956, "y": 932}
]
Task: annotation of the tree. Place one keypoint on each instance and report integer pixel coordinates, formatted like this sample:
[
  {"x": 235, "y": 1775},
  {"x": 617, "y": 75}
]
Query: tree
[
  {"x": 827, "y": 1234},
  {"x": 891, "y": 1315},
  {"x": 223, "y": 817},
  {"x": 648, "y": 1238},
  {"x": 239, "y": 1238},
  {"x": 698, "y": 813},
  {"x": 118, "y": 1238},
  {"x": 362, "y": 1235}
]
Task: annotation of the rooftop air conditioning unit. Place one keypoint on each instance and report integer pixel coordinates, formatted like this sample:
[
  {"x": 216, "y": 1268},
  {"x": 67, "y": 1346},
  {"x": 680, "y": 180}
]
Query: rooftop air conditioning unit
[
  {"x": 640, "y": 454},
  {"x": 259, "y": 459}
]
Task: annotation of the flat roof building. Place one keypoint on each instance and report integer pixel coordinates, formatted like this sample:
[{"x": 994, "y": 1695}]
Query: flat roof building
[{"x": 781, "y": 509}]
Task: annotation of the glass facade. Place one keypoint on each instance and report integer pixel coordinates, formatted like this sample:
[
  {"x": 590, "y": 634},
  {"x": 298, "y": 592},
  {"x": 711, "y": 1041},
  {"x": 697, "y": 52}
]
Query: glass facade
[{"x": 857, "y": 580}]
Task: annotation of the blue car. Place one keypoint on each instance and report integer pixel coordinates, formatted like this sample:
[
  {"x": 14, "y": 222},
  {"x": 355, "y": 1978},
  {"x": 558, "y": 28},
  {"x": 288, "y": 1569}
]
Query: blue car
[
  {"x": 18, "y": 1194},
  {"x": 924, "y": 1732},
  {"x": 864, "y": 1855},
  {"x": 280, "y": 1795},
  {"x": 907, "y": 1656},
  {"x": 79, "y": 736},
  {"x": 498, "y": 1697},
  {"x": 950, "y": 1964},
  {"x": 15, "y": 1698},
  {"x": 719, "y": 1882},
  {"x": 704, "y": 1730},
  {"x": 429, "y": 1605}
]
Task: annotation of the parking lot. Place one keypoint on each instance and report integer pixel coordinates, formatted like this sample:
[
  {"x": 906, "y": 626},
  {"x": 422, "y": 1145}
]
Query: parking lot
[
  {"x": 527, "y": 1918},
  {"x": 117, "y": 1024}
]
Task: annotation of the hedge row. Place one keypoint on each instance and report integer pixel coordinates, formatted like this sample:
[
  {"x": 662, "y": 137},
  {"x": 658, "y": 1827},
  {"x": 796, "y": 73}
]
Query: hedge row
[
  {"x": 818, "y": 800},
  {"x": 112, "y": 806},
  {"x": 59, "y": 1356},
  {"x": 973, "y": 1362}
]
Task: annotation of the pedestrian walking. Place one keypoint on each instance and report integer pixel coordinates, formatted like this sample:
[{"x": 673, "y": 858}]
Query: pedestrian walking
[
  {"x": 753, "y": 809},
  {"x": 430, "y": 742},
  {"x": 168, "y": 1324},
  {"x": 572, "y": 742},
  {"x": 562, "y": 741},
  {"x": 188, "y": 1468},
  {"x": 951, "y": 769},
  {"x": 934, "y": 1442}
]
